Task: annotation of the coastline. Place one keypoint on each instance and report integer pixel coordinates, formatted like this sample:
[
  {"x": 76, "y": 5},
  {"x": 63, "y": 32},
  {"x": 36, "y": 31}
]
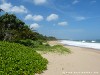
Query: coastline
[
  {"x": 86, "y": 49},
  {"x": 69, "y": 46},
  {"x": 80, "y": 60}
]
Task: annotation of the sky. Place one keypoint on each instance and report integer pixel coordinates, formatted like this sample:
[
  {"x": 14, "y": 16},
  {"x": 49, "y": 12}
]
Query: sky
[{"x": 63, "y": 19}]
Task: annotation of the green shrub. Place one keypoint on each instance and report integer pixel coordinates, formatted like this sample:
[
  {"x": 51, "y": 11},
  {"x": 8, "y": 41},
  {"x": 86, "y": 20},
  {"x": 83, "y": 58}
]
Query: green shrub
[
  {"x": 46, "y": 44},
  {"x": 30, "y": 43},
  {"x": 16, "y": 59}
]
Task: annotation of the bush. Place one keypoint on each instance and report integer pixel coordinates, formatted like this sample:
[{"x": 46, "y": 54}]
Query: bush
[
  {"x": 47, "y": 44},
  {"x": 30, "y": 43},
  {"x": 16, "y": 59}
]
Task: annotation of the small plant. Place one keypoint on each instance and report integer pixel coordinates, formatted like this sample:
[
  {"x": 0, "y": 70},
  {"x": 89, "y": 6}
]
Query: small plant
[{"x": 16, "y": 59}]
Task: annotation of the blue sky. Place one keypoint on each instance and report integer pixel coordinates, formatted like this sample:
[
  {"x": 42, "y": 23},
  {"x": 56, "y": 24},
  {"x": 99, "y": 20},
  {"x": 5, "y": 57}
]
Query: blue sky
[{"x": 64, "y": 19}]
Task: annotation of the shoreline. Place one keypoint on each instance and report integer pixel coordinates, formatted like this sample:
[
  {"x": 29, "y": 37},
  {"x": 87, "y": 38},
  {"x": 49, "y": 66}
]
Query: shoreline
[
  {"x": 81, "y": 44},
  {"x": 80, "y": 60},
  {"x": 85, "y": 48}
]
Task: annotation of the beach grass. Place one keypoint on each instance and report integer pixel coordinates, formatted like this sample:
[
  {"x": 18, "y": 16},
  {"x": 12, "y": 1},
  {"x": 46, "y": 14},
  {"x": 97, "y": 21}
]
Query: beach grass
[
  {"x": 45, "y": 47},
  {"x": 54, "y": 49}
]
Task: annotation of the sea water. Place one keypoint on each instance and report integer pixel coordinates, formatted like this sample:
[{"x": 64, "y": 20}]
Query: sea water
[{"x": 82, "y": 43}]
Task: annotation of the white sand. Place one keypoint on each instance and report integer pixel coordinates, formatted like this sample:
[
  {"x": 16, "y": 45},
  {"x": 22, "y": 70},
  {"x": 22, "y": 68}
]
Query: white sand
[{"x": 80, "y": 60}]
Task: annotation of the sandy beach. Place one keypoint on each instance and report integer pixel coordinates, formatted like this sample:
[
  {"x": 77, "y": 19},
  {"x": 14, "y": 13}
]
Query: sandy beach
[{"x": 82, "y": 61}]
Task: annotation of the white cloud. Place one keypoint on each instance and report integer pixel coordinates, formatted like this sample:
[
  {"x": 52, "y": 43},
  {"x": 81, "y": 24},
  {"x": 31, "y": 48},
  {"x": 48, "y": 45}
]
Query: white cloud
[
  {"x": 63, "y": 23},
  {"x": 39, "y": 2},
  {"x": 75, "y": 2},
  {"x": 28, "y": 17},
  {"x": 8, "y": 7},
  {"x": 19, "y": 9},
  {"x": 34, "y": 26},
  {"x": 52, "y": 17},
  {"x": 35, "y": 17},
  {"x": 80, "y": 18},
  {"x": 38, "y": 18}
]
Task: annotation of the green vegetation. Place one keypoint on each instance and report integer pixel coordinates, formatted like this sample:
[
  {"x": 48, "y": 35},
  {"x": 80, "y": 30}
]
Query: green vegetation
[
  {"x": 55, "y": 49},
  {"x": 13, "y": 29},
  {"x": 21, "y": 58},
  {"x": 50, "y": 38},
  {"x": 44, "y": 47},
  {"x": 16, "y": 59},
  {"x": 30, "y": 43},
  {"x": 18, "y": 46}
]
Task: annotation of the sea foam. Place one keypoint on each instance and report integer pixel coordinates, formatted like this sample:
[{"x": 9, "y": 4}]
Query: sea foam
[{"x": 81, "y": 44}]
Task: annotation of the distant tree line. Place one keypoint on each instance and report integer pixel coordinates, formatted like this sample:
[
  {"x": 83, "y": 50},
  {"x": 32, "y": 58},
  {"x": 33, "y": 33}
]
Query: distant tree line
[
  {"x": 50, "y": 38},
  {"x": 13, "y": 29}
]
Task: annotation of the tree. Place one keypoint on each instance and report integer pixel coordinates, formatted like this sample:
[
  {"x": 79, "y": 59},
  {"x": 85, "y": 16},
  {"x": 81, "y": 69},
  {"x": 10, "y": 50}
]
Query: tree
[
  {"x": 10, "y": 25},
  {"x": 12, "y": 29}
]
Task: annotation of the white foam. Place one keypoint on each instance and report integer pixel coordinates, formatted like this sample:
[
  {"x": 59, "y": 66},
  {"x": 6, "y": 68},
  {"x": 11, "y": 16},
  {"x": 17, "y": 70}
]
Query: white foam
[
  {"x": 93, "y": 41},
  {"x": 81, "y": 44},
  {"x": 83, "y": 41}
]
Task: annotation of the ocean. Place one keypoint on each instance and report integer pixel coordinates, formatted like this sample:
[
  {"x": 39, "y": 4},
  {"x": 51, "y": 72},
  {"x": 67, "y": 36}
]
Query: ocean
[{"x": 82, "y": 43}]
